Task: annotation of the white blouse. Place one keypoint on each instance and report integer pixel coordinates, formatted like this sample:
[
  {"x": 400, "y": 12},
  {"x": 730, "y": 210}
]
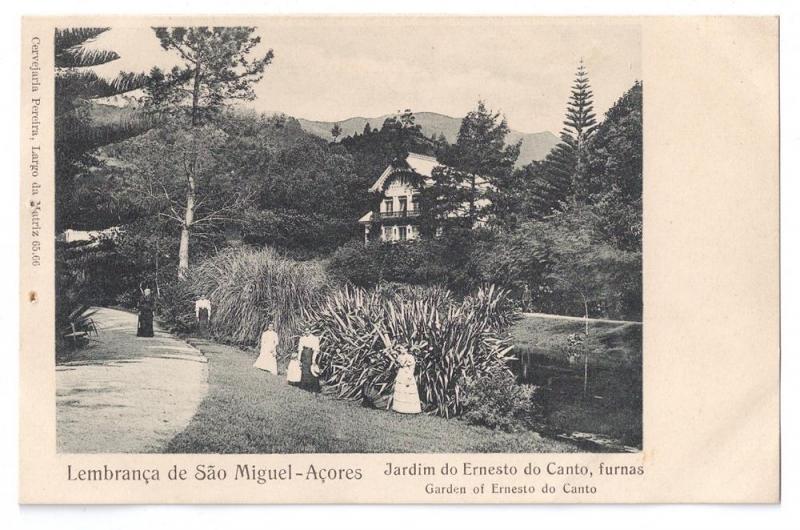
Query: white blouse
[
  {"x": 269, "y": 342},
  {"x": 309, "y": 341},
  {"x": 203, "y": 303}
]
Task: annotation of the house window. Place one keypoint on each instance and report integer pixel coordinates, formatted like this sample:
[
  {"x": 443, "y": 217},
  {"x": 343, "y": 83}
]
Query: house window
[
  {"x": 403, "y": 204},
  {"x": 388, "y": 206},
  {"x": 403, "y": 233},
  {"x": 415, "y": 202}
]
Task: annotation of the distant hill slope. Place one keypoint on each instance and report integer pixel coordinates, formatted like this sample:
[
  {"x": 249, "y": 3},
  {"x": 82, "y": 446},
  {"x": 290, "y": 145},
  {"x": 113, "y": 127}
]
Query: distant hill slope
[{"x": 535, "y": 146}]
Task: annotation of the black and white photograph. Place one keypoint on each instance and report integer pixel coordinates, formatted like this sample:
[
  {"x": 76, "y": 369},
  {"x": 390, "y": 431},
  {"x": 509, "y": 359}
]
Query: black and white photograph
[{"x": 386, "y": 235}]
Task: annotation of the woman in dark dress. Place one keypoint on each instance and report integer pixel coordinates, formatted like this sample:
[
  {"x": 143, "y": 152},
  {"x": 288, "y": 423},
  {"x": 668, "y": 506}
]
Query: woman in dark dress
[
  {"x": 146, "y": 305},
  {"x": 308, "y": 351}
]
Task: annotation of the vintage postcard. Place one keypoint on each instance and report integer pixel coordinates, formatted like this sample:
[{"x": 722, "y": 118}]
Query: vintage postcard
[{"x": 399, "y": 259}]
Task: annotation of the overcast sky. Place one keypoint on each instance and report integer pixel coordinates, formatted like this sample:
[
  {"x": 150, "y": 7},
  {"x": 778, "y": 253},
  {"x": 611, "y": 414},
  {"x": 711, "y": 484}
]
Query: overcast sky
[{"x": 334, "y": 68}]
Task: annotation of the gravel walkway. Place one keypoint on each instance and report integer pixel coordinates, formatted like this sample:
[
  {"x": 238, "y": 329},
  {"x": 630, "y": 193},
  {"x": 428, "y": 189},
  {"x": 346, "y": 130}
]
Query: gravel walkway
[{"x": 126, "y": 394}]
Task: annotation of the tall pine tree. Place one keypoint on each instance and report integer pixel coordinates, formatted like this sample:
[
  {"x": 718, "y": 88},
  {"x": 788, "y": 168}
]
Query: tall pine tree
[
  {"x": 218, "y": 65},
  {"x": 562, "y": 176}
]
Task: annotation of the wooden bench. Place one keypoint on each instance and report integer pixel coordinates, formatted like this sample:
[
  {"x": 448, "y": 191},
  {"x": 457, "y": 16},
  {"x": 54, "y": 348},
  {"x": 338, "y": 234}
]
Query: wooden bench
[{"x": 75, "y": 335}]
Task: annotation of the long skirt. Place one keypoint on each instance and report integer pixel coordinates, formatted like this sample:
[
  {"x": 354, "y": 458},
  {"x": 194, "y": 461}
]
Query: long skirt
[
  {"x": 308, "y": 380},
  {"x": 406, "y": 396},
  {"x": 202, "y": 321},
  {"x": 267, "y": 361},
  {"x": 145, "y": 326}
]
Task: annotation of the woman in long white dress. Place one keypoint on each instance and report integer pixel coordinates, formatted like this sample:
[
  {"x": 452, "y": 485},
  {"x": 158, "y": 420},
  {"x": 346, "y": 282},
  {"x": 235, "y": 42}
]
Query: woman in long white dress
[
  {"x": 267, "y": 357},
  {"x": 406, "y": 396}
]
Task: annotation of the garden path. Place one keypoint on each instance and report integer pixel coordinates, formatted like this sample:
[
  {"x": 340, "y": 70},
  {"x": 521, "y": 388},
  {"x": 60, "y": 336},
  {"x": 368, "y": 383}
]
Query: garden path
[{"x": 126, "y": 394}]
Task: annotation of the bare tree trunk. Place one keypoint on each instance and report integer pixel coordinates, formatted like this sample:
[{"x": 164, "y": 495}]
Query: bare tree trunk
[
  {"x": 183, "y": 250},
  {"x": 585, "y": 345},
  {"x": 196, "y": 95}
]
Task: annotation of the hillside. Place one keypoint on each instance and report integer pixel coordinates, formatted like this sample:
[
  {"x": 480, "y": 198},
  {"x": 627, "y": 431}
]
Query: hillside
[{"x": 535, "y": 146}]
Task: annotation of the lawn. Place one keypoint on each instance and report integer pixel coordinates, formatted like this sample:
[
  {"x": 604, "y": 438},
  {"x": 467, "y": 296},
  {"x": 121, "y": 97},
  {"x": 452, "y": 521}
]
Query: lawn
[
  {"x": 612, "y": 406},
  {"x": 250, "y": 411}
]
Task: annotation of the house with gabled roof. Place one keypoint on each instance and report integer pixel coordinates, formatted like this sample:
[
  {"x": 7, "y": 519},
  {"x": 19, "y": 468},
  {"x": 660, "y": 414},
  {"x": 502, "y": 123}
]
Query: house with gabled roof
[{"x": 398, "y": 215}]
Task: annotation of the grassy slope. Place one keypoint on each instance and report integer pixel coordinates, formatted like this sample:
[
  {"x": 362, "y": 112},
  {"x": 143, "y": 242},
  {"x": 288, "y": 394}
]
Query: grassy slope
[{"x": 249, "y": 411}]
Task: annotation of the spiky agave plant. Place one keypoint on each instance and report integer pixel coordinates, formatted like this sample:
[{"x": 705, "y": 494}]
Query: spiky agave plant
[
  {"x": 452, "y": 342},
  {"x": 494, "y": 305}
]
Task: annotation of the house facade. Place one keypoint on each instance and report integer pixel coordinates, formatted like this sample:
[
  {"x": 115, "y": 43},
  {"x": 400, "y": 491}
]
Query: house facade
[{"x": 398, "y": 216}]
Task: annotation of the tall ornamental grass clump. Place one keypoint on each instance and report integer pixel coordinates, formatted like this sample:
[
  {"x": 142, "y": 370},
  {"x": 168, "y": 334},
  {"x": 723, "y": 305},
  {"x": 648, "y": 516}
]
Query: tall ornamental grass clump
[
  {"x": 249, "y": 288},
  {"x": 457, "y": 342}
]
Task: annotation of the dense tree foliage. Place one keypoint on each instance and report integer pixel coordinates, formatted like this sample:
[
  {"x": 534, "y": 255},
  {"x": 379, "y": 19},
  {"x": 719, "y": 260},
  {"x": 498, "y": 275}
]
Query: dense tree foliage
[
  {"x": 465, "y": 187},
  {"x": 614, "y": 167},
  {"x": 569, "y": 227},
  {"x": 589, "y": 245},
  {"x": 375, "y": 149},
  {"x": 307, "y": 193},
  {"x": 218, "y": 65},
  {"x": 78, "y": 131}
]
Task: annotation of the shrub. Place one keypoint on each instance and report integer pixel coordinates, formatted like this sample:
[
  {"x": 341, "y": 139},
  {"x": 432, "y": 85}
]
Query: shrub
[
  {"x": 360, "y": 330},
  {"x": 175, "y": 305},
  {"x": 411, "y": 262},
  {"x": 247, "y": 289},
  {"x": 356, "y": 264},
  {"x": 496, "y": 401},
  {"x": 493, "y": 305}
]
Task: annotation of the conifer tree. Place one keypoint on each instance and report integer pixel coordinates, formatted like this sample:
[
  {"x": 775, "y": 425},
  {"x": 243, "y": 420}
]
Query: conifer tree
[
  {"x": 218, "y": 65},
  {"x": 478, "y": 164},
  {"x": 76, "y": 134},
  {"x": 336, "y": 130},
  {"x": 562, "y": 177}
]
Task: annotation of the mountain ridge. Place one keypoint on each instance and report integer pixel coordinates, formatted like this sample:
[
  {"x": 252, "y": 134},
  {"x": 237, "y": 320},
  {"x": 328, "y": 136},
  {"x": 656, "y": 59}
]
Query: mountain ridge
[{"x": 534, "y": 146}]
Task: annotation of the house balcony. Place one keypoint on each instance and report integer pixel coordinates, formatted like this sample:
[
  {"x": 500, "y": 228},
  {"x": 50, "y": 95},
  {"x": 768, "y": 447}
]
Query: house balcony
[{"x": 398, "y": 215}]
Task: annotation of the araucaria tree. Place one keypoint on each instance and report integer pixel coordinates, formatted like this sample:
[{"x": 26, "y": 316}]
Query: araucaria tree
[
  {"x": 77, "y": 135},
  {"x": 219, "y": 65},
  {"x": 562, "y": 176}
]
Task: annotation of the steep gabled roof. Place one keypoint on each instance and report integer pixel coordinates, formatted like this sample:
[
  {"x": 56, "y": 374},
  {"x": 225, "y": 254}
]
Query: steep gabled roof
[{"x": 420, "y": 164}]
